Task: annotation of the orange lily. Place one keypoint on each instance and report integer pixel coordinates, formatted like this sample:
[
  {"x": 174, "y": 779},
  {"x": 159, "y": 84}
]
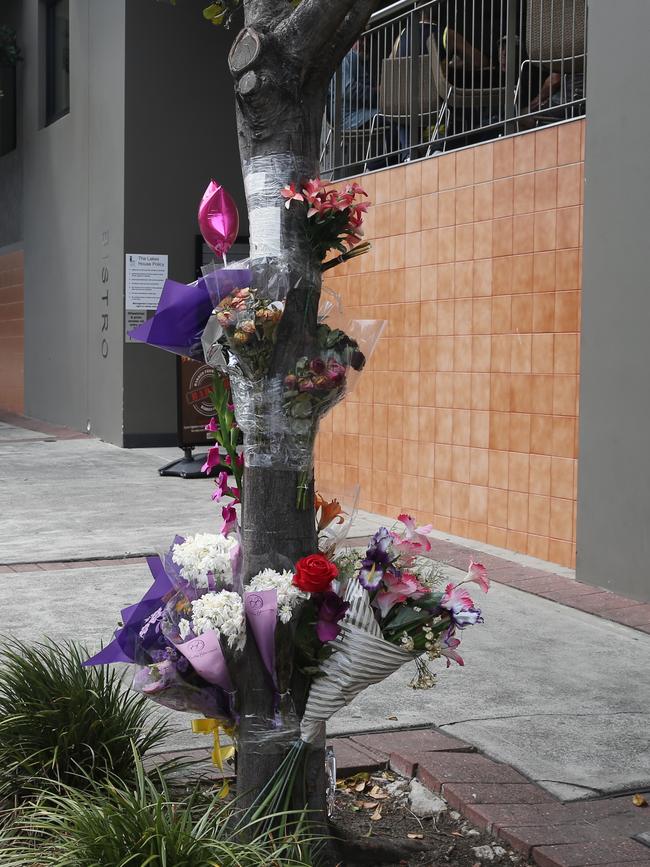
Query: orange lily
[{"x": 327, "y": 512}]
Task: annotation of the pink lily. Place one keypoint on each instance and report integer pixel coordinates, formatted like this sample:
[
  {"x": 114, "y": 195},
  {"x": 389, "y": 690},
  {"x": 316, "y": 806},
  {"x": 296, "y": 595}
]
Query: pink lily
[
  {"x": 312, "y": 188},
  {"x": 291, "y": 195},
  {"x": 318, "y": 206},
  {"x": 355, "y": 189},
  {"x": 477, "y": 573},
  {"x": 414, "y": 540},
  {"x": 399, "y": 589},
  {"x": 213, "y": 425},
  {"x": 213, "y": 459}
]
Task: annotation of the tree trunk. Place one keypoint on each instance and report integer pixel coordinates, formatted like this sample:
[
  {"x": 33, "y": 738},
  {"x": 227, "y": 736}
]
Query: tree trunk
[{"x": 282, "y": 62}]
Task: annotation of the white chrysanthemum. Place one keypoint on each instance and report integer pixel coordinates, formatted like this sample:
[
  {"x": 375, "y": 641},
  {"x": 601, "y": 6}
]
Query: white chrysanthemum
[
  {"x": 184, "y": 628},
  {"x": 203, "y": 553},
  {"x": 282, "y": 582},
  {"x": 222, "y": 612}
]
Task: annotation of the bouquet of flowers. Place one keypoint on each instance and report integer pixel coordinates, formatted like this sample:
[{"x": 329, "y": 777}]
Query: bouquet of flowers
[
  {"x": 397, "y": 612},
  {"x": 334, "y": 218},
  {"x": 182, "y": 647}
]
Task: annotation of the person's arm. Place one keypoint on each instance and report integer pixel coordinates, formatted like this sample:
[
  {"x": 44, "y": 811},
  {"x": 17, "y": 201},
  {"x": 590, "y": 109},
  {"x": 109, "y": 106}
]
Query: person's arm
[{"x": 551, "y": 82}]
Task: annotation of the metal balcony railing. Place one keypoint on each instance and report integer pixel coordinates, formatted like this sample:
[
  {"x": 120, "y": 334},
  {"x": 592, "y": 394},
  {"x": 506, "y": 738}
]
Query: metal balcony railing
[{"x": 431, "y": 76}]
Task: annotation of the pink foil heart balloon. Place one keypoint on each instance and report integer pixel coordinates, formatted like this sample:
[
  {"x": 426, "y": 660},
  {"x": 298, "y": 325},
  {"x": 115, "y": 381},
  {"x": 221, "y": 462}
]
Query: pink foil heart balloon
[{"x": 218, "y": 219}]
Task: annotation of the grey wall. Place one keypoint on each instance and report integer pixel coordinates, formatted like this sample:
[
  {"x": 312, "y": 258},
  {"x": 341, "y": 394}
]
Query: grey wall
[
  {"x": 73, "y": 224},
  {"x": 11, "y": 169},
  {"x": 614, "y": 465},
  {"x": 180, "y": 132}
]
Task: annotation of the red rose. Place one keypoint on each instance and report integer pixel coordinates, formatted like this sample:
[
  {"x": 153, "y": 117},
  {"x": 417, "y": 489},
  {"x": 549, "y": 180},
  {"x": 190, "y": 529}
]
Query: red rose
[{"x": 314, "y": 573}]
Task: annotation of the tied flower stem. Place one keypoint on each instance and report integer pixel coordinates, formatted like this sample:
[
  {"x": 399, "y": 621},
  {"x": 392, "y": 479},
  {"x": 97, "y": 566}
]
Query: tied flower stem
[
  {"x": 269, "y": 812},
  {"x": 302, "y": 489}
]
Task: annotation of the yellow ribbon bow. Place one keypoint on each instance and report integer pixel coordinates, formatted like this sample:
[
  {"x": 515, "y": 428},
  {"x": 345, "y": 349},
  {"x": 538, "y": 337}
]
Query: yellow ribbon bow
[{"x": 220, "y": 754}]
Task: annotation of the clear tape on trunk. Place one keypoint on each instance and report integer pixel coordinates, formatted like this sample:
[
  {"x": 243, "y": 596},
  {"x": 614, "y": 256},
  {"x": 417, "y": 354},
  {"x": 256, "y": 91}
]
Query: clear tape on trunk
[{"x": 264, "y": 177}]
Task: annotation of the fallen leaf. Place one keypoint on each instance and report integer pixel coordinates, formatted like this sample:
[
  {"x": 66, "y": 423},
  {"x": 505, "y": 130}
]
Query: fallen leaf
[
  {"x": 376, "y": 791},
  {"x": 639, "y": 801},
  {"x": 391, "y": 717},
  {"x": 359, "y": 787},
  {"x": 457, "y": 834},
  {"x": 415, "y": 836},
  {"x": 369, "y": 805},
  {"x": 376, "y": 815}
]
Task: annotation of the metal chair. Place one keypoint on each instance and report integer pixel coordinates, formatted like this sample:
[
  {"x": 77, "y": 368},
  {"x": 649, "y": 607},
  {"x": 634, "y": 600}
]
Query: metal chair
[
  {"x": 453, "y": 96},
  {"x": 555, "y": 39},
  {"x": 408, "y": 102}
]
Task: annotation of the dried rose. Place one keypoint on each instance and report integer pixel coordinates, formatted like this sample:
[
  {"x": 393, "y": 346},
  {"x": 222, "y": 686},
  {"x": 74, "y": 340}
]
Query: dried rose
[{"x": 317, "y": 365}]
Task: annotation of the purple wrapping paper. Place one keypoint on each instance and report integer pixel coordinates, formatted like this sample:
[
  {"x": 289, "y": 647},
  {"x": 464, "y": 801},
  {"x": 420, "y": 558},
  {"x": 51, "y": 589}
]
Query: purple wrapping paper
[
  {"x": 206, "y": 657},
  {"x": 122, "y": 648},
  {"x": 261, "y": 608},
  {"x": 183, "y": 311}
]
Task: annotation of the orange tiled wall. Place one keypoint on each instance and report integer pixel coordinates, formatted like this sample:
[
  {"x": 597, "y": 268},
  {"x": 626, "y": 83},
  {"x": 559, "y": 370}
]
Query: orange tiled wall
[
  {"x": 11, "y": 331},
  {"x": 467, "y": 414}
]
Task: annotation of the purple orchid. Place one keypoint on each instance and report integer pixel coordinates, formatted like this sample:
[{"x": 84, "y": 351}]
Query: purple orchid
[
  {"x": 460, "y": 606},
  {"x": 331, "y": 609},
  {"x": 212, "y": 426},
  {"x": 448, "y": 647},
  {"x": 377, "y": 559}
]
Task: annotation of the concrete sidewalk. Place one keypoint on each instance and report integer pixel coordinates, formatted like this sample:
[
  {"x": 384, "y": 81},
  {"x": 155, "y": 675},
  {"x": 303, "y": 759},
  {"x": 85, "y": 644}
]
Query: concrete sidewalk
[{"x": 560, "y": 694}]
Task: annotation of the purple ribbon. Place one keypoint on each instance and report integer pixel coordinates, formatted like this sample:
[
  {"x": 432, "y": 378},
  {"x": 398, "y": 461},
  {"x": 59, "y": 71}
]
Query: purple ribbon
[
  {"x": 122, "y": 648},
  {"x": 183, "y": 311}
]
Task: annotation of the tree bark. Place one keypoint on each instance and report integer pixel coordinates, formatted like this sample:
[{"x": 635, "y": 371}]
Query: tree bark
[{"x": 282, "y": 62}]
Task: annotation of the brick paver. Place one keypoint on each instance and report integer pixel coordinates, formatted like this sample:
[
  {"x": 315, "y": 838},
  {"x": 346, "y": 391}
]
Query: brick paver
[
  {"x": 586, "y": 854},
  {"x": 458, "y": 794},
  {"x": 436, "y": 769},
  {"x": 352, "y": 758},
  {"x": 412, "y": 743}
]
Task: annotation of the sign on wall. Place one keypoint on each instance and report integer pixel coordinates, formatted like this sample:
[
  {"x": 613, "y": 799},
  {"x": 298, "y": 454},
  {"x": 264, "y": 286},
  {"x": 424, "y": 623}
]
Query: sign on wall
[{"x": 145, "y": 275}]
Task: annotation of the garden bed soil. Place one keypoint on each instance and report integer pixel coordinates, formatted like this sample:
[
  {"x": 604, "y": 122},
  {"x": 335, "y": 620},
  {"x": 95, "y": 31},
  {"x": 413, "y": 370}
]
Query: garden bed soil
[{"x": 380, "y": 812}]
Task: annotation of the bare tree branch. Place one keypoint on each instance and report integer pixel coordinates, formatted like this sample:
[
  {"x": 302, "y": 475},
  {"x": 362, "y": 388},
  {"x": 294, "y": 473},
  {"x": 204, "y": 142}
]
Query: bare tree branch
[
  {"x": 346, "y": 35},
  {"x": 266, "y": 14},
  {"x": 313, "y": 23}
]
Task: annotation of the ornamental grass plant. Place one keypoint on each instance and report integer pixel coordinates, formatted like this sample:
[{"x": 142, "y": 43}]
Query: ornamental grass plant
[
  {"x": 140, "y": 826},
  {"x": 65, "y": 725}
]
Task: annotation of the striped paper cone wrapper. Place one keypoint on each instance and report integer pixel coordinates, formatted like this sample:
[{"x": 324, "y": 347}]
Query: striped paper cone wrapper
[
  {"x": 360, "y": 613},
  {"x": 359, "y": 660}
]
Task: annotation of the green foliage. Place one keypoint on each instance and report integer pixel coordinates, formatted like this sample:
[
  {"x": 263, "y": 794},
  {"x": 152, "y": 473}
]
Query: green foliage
[
  {"x": 63, "y": 724},
  {"x": 9, "y": 51},
  {"x": 115, "y": 826}
]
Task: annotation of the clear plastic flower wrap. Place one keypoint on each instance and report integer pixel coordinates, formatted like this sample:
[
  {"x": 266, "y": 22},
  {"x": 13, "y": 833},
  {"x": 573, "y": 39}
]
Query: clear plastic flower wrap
[
  {"x": 245, "y": 321},
  {"x": 279, "y": 415}
]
